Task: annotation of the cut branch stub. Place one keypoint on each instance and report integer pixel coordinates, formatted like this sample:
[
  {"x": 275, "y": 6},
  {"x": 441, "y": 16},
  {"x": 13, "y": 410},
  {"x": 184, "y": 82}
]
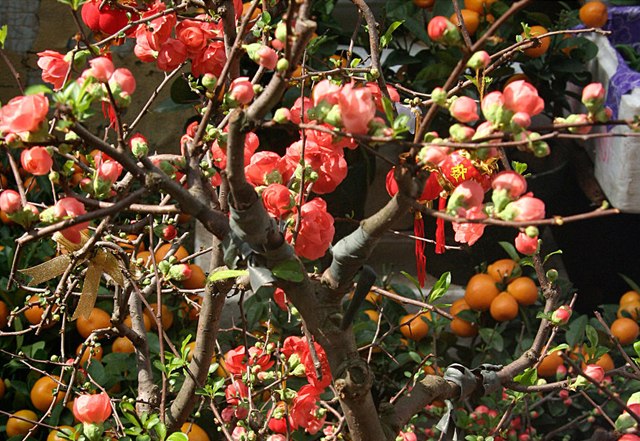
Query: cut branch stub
[
  {"x": 410, "y": 181},
  {"x": 354, "y": 379}
]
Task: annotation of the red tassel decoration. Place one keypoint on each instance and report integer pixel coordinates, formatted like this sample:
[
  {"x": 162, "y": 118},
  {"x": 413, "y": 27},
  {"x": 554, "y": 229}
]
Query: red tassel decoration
[
  {"x": 421, "y": 260},
  {"x": 442, "y": 204},
  {"x": 109, "y": 112}
]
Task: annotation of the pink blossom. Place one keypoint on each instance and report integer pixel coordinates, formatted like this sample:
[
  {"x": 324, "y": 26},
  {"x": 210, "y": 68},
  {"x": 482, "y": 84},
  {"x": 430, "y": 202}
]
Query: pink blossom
[
  {"x": 276, "y": 437},
  {"x": 316, "y": 230},
  {"x": 69, "y": 208},
  {"x": 36, "y": 161},
  {"x": 267, "y": 57},
  {"x": 491, "y": 105},
  {"x": 407, "y": 436},
  {"x": 520, "y": 96},
  {"x": 464, "y": 109},
  {"x": 109, "y": 171},
  {"x": 527, "y": 208},
  {"x": 123, "y": 79},
  {"x": 54, "y": 68},
  {"x": 433, "y": 154},
  {"x": 10, "y": 201},
  {"x": 467, "y": 232},
  {"x": 145, "y": 49},
  {"x": 521, "y": 119},
  {"x": 467, "y": 195},
  {"x": 593, "y": 92},
  {"x": 297, "y": 110},
  {"x": 23, "y": 113},
  {"x": 172, "y": 54},
  {"x": 357, "y": 108},
  {"x": 138, "y": 145},
  {"x": 239, "y": 434},
  {"x": 241, "y": 90},
  {"x": 101, "y": 69},
  {"x": 595, "y": 372},
  {"x": 327, "y": 91},
  {"x": 92, "y": 409},
  {"x": 579, "y": 118},
  {"x": 512, "y": 182},
  {"x": 525, "y": 244}
]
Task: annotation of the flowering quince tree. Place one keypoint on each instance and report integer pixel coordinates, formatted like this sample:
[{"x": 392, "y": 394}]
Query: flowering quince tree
[{"x": 96, "y": 223}]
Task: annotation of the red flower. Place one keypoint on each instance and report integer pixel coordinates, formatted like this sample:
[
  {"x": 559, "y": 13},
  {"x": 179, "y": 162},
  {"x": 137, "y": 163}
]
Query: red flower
[
  {"x": 330, "y": 166},
  {"x": 277, "y": 200},
  {"x": 236, "y": 360},
  {"x": 36, "y": 161},
  {"x": 92, "y": 409},
  {"x": 101, "y": 69},
  {"x": 470, "y": 233},
  {"x": 193, "y": 35},
  {"x": 123, "y": 78},
  {"x": 297, "y": 345},
  {"x": 268, "y": 167},
  {"x": 236, "y": 392},
  {"x": 105, "y": 20},
  {"x": 316, "y": 230},
  {"x": 54, "y": 68},
  {"x": 172, "y": 54},
  {"x": 210, "y": 60},
  {"x": 23, "y": 113},
  {"x": 520, "y": 96},
  {"x": 304, "y": 411},
  {"x": 146, "y": 49}
]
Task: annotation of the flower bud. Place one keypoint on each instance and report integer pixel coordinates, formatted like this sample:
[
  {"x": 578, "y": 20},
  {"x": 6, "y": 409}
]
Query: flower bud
[
  {"x": 464, "y": 109},
  {"x": 282, "y": 65},
  {"x": 209, "y": 81},
  {"x": 525, "y": 244},
  {"x": 282, "y": 115},
  {"x": 593, "y": 96},
  {"x": 439, "y": 96},
  {"x": 461, "y": 133},
  {"x": 179, "y": 272},
  {"x": 552, "y": 275},
  {"x": 139, "y": 145},
  {"x": 561, "y": 316},
  {"x": 10, "y": 201},
  {"x": 479, "y": 60}
]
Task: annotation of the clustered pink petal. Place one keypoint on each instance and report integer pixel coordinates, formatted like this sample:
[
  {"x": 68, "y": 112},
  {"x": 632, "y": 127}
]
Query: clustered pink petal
[
  {"x": 36, "y": 161},
  {"x": 520, "y": 96}
]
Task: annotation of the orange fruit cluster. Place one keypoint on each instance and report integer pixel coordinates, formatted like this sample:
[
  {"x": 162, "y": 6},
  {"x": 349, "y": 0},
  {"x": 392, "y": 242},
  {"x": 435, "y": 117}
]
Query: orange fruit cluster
[
  {"x": 500, "y": 290},
  {"x": 625, "y": 328}
]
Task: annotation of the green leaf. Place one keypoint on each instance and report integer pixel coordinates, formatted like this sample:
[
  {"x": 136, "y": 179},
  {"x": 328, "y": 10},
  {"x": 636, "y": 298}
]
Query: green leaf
[
  {"x": 4, "y": 30},
  {"x": 388, "y": 109},
  {"x": 440, "y": 288},
  {"x": 528, "y": 378},
  {"x": 37, "y": 88},
  {"x": 576, "y": 330},
  {"x": 386, "y": 38},
  {"x": 511, "y": 250},
  {"x": 161, "y": 430},
  {"x": 519, "y": 167},
  {"x": 551, "y": 254},
  {"x": 412, "y": 280},
  {"x": 636, "y": 347},
  {"x": 634, "y": 286},
  {"x": 492, "y": 339},
  {"x": 289, "y": 270},
  {"x": 178, "y": 436},
  {"x": 560, "y": 347},
  {"x": 592, "y": 335},
  {"x": 226, "y": 274}
]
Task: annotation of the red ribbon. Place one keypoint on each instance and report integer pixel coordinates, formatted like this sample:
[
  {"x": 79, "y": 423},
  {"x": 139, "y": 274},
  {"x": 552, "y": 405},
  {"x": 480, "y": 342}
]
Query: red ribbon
[
  {"x": 421, "y": 259},
  {"x": 442, "y": 204}
]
